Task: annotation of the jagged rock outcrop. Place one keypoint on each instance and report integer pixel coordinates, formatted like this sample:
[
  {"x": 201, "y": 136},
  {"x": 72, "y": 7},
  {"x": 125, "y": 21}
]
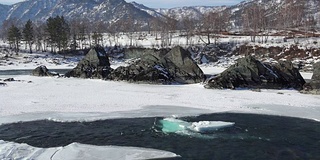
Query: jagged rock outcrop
[
  {"x": 147, "y": 69},
  {"x": 313, "y": 87},
  {"x": 43, "y": 71},
  {"x": 176, "y": 66},
  {"x": 141, "y": 52},
  {"x": 94, "y": 65},
  {"x": 251, "y": 73},
  {"x": 182, "y": 67}
]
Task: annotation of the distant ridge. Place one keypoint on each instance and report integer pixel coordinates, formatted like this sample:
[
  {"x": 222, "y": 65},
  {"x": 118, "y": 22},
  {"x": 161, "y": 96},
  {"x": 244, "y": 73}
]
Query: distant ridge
[{"x": 114, "y": 10}]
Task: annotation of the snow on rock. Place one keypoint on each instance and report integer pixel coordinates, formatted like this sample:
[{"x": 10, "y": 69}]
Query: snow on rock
[
  {"x": 206, "y": 126},
  {"x": 172, "y": 125},
  {"x": 77, "y": 151}
]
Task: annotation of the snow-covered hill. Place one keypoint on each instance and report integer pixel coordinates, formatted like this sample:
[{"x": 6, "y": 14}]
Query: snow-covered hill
[
  {"x": 94, "y": 10},
  {"x": 113, "y": 10},
  {"x": 277, "y": 10},
  {"x": 3, "y": 11},
  {"x": 194, "y": 12}
]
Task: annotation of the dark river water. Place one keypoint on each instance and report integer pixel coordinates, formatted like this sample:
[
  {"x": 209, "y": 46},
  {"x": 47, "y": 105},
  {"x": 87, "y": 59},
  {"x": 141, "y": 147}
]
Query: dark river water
[
  {"x": 253, "y": 137},
  {"x": 29, "y": 71}
]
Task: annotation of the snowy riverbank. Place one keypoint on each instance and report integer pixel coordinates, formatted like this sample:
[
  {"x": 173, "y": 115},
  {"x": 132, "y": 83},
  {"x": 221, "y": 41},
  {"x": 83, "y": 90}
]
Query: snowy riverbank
[
  {"x": 71, "y": 95},
  {"x": 71, "y": 99}
]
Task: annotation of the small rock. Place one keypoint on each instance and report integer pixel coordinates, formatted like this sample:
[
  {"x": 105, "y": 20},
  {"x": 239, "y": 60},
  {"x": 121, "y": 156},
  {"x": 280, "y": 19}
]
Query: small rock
[
  {"x": 256, "y": 90},
  {"x": 313, "y": 87},
  {"x": 40, "y": 71},
  {"x": 9, "y": 80}
]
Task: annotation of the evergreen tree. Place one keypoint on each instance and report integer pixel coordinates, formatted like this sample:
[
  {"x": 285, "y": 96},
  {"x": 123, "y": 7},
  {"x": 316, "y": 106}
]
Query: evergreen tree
[
  {"x": 52, "y": 32},
  {"x": 97, "y": 37},
  {"x": 14, "y": 37},
  {"x": 28, "y": 34},
  {"x": 59, "y": 32},
  {"x": 64, "y": 35}
]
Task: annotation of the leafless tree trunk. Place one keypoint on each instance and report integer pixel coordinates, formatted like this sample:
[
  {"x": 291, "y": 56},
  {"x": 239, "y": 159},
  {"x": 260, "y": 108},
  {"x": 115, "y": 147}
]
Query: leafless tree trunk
[
  {"x": 188, "y": 27},
  {"x": 251, "y": 21}
]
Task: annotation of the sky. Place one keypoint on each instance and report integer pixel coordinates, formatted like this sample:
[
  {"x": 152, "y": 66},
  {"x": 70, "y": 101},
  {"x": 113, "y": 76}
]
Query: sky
[{"x": 166, "y": 3}]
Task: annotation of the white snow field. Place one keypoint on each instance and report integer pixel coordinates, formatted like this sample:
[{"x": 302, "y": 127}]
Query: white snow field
[
  {"x": 102, "y": 99},
  {"x": 76, "y": 151},
  {"x": 71, "y": 99}
]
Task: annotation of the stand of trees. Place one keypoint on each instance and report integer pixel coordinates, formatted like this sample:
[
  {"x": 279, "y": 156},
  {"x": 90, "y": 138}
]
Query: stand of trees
[
  {"x": 14, "y": 37},
  {"x": 28, "y": 34},
  {"x": 58, "y": 31},
  {"x": 59, "y": 34}
]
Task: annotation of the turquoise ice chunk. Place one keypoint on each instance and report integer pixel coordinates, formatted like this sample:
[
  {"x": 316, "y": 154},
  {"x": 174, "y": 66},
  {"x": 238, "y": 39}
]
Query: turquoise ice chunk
[{"x": 171, "y": 125}]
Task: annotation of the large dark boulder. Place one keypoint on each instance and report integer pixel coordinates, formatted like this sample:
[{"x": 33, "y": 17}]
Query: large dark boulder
[
  {"x": 182, "y": 67},
  {"x": 313, "y": 87},
  {"x": 147, "y": 69},
  {"x": 94, "y": 65},
  {"x": 133, "y": 53},
  {"x": 251, "y": 73},
  {"x": 42, "y": 71},
  {"x": 176, "y": 66}
]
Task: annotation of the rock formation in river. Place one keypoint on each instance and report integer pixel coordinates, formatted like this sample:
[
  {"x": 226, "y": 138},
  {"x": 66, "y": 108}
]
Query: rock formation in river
[
  {"x": 94, "y": 65},
  {"x": 251, "y": 73},
  {"x": 43, "y": 71},
  {"x": 176, "y": 66}
]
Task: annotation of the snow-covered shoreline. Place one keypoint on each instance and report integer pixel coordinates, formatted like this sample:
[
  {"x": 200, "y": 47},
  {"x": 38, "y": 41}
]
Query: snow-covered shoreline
[
  {"x": 71, "y": 95},
  {"x": 56, "y": 96},
  {"x": 72, "y": 99}
]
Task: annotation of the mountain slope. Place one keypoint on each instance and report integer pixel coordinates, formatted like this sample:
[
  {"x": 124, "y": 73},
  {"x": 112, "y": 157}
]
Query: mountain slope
[
  {"x": 276, "y": 10},
  {"x": 3, "y": 11},
  {"x": 110, "y": 11},
  {"x": 179, "y": 12},
  {"x": 191, "y": 12},
  {"x": 94, "y": 10}
]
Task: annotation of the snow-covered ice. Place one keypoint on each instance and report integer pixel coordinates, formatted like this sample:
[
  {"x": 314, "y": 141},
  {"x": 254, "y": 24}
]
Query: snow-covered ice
[
  {"x": 206, "y": 126},
  {"x": 48, "y": 95},
  {"x": 71, "y": 99},
  {"x": 173, "y": 125},
  {"x": 77, "y": 151}
]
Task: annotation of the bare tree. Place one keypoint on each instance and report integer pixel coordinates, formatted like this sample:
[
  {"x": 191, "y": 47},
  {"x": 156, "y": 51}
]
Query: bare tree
[
  {"x": 156, "y": 26},
  {"x": 211, "y": 25},
  {"x": 310, "y": 25},
  {"x": 40, "y": 36},
  {"x": 224, "y": 19},
  {"x": 98, "y": 30},
  {"x": 291, "y": 15},
  {"x": 188, "y": 25},
  {"x": 171, "y": 23},
  {"x": 251, "y": 21}
]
